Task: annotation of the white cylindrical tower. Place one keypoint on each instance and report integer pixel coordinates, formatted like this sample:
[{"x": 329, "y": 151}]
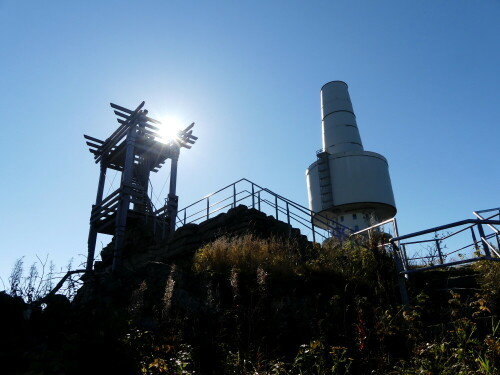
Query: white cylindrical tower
[
  {"x": 346, "y": 184},
  {"x": 340, "y": 130}
]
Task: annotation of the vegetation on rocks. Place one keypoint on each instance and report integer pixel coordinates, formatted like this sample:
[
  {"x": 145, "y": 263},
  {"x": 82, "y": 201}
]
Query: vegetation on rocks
[{"x": 252, "y": 305}]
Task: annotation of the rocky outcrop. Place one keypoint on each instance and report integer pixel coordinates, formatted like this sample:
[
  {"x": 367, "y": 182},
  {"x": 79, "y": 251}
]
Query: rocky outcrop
[{"x": 141, "y": 246}]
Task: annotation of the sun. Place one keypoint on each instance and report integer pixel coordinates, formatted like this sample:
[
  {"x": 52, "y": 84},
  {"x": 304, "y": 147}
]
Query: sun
[{"x": 169, "y": 129}]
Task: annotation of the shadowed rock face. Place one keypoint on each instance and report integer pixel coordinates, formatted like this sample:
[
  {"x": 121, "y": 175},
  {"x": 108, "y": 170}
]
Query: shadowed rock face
[
  {"x": 146, "y": 260},
  {"x": 141, "y": 247}
]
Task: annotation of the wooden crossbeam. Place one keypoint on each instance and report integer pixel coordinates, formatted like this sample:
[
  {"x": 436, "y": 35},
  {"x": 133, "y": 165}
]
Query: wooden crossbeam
[
  {"x": 140, "y": 123},
  {"x": 152, "y": 127},
  {"x": 105, "y": 211},
  {"x": 116, "y": 167},
  {"x": 149, "y": 132},
  {"x": 123, "y": 109},
  {"x": 188, "y": 128},
  {"x": 116, "y": 136},
  {"x": 112, "y": 142},
  {"x": 93, "y": 145},
  {"x": 108, "y": 198},
  {"x": 118, "y": 133},
  {"x": 93, "y": 139},
  {"x": 152, "y": 120},
  {"x": 181, "y": 143},
  {"x": 121, "y": 115}
]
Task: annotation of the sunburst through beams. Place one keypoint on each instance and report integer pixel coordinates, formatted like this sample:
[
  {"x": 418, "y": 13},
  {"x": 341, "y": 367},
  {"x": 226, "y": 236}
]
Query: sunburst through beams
[{"x": 169, "y": 129}]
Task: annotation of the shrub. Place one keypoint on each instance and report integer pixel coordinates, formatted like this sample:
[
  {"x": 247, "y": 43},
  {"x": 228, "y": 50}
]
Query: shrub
[{"x": 489, "y": 279}]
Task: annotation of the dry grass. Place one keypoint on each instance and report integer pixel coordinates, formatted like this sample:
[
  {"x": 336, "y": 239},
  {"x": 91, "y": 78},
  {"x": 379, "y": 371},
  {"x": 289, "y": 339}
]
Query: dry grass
[
  {"x": 248, "y": 254},
  {"x": 347, "y": 259}
]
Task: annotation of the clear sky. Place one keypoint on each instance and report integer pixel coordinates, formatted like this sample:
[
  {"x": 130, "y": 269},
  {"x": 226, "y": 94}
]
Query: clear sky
[{"x": 423, "y": 77}]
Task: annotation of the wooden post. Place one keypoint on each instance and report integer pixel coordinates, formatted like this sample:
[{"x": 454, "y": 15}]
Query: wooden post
[
  {"x": 142, "y": 178},
  {"x": 123, "y": 205},
  {"x": 92, "y": 232},
  {"x": 173, "y": 199}
]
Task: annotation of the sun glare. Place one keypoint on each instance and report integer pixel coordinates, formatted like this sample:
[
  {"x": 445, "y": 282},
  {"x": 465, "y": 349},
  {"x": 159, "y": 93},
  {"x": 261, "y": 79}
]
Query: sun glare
[{"x": 169, "y": 128}]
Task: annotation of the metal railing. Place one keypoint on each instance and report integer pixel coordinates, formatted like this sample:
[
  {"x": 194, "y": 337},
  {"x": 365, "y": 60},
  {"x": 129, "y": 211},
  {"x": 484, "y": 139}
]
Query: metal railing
[
  {"x": 445, "y": 249},
  {"x": 389, "y": 227},
  {"x": 386, "y": 230},
  {"x": 496, "y": 214},
  {"x": 440, "y": 248},
  {"x": 247, "y": 193}
]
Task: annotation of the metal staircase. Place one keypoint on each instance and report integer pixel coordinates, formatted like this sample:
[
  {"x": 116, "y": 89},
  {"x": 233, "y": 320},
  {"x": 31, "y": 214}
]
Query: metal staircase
[{"x": 248, "y": 193}]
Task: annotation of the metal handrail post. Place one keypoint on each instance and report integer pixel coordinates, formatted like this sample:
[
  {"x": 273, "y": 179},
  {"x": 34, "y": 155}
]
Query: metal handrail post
[
  {"x": 401, "y": 277},
  {"x": 395, "y": 227},
  {"x": 184, "y": 216},
  {"x": 258, "y": 201},
  {"x": 287, "y": 213},
  {"x": 313, "y": 231},
  {"x": 208, "y": 208},
  {"x": 438, "y": 247},
  {"x": 234, "y": 195},
  {"x": 253, "y": 195},
  {"x": 474, "y": 238},
  {"x": 405, "y": 259},
  {"x": 486, "y": 248},
  {"x": 276, "y": 205}
]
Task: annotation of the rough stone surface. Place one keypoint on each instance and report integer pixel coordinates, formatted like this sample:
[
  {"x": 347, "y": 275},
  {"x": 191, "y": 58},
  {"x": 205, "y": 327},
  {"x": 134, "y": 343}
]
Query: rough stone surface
[{"x": 141, "y": 247}]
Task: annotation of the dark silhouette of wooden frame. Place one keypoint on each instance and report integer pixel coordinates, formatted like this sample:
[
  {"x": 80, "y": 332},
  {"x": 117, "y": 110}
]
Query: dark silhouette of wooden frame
[{"x": 134, "y": 150}]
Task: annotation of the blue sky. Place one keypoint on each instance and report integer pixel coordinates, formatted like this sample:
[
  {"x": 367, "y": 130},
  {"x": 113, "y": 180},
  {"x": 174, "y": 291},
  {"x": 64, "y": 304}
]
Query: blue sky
[{"x": 423, "y": 77}]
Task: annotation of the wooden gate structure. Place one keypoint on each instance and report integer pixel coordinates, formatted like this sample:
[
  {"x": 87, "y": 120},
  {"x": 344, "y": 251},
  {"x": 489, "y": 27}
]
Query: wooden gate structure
[{"x": 135, "y": 150}]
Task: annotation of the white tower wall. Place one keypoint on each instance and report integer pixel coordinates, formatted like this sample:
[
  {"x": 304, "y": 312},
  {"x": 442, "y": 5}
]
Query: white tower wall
[
  {"x": 347, "y": 184},
  {"x": 340, "y": 130}
]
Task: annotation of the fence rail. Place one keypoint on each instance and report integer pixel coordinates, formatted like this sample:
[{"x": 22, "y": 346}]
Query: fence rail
[
  {"x": 247, "y": 193},
  {"x": 434, "y": 247}
]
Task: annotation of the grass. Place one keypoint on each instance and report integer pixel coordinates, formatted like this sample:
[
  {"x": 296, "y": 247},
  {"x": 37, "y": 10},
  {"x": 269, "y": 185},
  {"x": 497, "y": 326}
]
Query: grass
[
  {"x": 248, "y": 253},
  {"x": 248, "y": 305}
]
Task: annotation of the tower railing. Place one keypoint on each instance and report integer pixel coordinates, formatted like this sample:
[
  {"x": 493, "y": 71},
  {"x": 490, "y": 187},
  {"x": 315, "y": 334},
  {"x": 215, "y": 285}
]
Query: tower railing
[{"x": 247, "y": 193}]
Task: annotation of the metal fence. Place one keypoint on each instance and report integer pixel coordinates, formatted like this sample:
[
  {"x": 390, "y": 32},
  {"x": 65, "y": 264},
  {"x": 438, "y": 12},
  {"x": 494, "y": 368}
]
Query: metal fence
[
  {"x": 385, "y": 231},
  {"x": 456, "y": 243},
  {"x": 247, "y": 193},
  {"x": 449, "y": 245}
]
